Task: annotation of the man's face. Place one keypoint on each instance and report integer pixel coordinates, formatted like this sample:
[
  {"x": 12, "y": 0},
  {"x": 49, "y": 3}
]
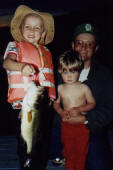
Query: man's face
[{"x": 85, "y": 45}]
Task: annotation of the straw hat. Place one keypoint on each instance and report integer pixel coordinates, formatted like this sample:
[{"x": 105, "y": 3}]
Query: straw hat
[{"x": 21, "y": 12}]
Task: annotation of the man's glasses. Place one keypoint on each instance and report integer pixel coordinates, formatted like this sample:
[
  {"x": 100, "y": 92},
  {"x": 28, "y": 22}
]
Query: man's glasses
[{"x": 85, "y": 44}]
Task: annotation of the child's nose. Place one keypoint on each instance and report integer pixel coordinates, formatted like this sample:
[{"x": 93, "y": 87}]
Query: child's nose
[
  {"x": 69, "y": 75},
  {"x": 31, "y": 29}
]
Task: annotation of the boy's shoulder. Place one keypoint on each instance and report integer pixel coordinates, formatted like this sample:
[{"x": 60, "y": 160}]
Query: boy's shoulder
[
  {"x": 60, "y": 86},
  {"x": 82, "y": 86},
  {"x": 11, "y": 48}
]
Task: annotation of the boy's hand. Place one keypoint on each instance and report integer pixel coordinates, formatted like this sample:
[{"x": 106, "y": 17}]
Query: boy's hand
[
  {"x": 64, "y": 114},
  {"x": 75, "y": 120},
  {"x": 27, "y": 70},
  {"x": 74, "y": 111}
]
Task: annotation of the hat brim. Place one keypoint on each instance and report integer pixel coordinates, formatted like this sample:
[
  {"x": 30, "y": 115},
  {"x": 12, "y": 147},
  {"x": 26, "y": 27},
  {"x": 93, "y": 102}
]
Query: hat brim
[{"x": 21, "y": 12}]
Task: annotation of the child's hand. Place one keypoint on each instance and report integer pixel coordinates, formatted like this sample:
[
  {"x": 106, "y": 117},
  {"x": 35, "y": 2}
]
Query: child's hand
[
  {"x": 66, "y": 115},
  {"x": 74, "y": 111},
  {"x": 63, "y": 113},
  {"x": 27, "y": 70},
  {"x": 75, "y": 120}
]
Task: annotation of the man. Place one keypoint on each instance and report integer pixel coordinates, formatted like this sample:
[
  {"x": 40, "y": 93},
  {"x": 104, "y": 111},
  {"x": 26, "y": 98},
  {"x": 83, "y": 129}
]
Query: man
[{"x": 99, "y": 79}]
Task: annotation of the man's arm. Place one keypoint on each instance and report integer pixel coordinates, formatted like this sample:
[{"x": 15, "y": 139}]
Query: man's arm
[{"x": 102, "y": 115}]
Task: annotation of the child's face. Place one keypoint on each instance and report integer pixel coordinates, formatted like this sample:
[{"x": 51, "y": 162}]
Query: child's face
[
  {"x": 32, "y": 29},
  {"x": 69, "y": 77}
]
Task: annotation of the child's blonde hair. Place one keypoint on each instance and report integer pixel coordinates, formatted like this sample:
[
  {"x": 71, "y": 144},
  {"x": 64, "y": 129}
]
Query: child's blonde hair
[{"x": 71, "y": 60}]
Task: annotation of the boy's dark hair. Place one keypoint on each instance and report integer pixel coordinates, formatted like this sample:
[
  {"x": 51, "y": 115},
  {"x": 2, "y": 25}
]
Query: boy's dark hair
[{"x": 71, "y": 60}]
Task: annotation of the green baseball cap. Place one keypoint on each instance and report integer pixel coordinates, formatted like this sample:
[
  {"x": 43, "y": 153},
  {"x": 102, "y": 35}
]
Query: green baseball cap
[{"x": 85, "y": 28}]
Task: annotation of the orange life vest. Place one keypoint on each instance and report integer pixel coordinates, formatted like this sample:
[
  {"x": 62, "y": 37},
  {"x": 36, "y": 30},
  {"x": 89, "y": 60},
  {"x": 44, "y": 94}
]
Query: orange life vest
[{"x": 41, "y": 59}]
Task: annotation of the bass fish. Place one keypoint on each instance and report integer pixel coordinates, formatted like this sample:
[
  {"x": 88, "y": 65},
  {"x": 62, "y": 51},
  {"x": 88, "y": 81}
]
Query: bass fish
[{"x": 31, "y": 111}]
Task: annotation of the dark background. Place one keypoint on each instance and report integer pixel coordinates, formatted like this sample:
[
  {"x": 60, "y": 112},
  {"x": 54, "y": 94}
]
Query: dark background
[{"x": 67, "y": 16}]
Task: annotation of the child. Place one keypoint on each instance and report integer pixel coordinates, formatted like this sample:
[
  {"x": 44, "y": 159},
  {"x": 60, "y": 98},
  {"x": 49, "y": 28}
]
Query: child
[
  {"x": 73, "y": 98},
  {"x": 26, "y": 58}
]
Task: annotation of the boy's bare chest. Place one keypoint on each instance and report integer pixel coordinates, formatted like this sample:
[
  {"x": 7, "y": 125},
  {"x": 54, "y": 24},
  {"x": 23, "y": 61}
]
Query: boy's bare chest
[{"x": 72, "y": 96}]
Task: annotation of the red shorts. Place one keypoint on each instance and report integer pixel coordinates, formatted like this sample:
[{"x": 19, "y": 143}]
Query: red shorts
[{"x": 75, "y": 139}]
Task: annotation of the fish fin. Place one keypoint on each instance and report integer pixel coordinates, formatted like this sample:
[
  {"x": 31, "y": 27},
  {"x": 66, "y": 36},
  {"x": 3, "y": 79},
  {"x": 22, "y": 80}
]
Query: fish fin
[{"x": 29, "y": 116}]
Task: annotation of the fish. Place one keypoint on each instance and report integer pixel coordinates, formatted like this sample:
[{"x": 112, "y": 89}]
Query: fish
[{"x": 31, "y": 111}]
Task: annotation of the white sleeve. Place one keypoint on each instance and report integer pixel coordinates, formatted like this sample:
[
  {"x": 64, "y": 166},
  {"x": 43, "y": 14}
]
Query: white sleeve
[{"x": 11, "y": 48}]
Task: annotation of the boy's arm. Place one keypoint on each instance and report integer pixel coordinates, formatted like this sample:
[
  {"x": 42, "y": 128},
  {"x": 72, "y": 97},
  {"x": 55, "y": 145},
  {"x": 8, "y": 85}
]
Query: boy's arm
[
  {"x": 83, "y": 109},
  {"x": 57, "y": 105},
  {"x": 90, "y": 101},
  {"x": 59, "y": 110},
  {"x": 11, "y": 64}
]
